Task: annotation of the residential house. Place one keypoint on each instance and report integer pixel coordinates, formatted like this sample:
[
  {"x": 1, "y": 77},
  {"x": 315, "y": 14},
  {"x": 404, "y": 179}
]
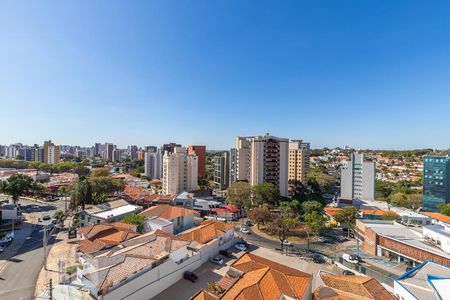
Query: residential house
[
  {"x": 252, "y": 277},
  {"x": 228, "y": 212},
  {"x": 108, "y": 212},
  {"x": 181, "y": 218},
  {"x": 342, "y": 287}
]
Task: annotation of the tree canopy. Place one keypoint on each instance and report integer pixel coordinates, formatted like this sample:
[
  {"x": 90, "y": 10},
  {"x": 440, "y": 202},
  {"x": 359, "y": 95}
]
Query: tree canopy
[
  {"x": 266, "y": 193},
  {"x": 17, "y": 185},
  {"x": 239, "y": 194},
  {"x": 137, "y": 220}
]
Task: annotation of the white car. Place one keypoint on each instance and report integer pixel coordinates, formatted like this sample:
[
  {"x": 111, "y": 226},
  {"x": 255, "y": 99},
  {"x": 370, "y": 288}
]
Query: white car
[
  {"x": 321, "y": 239},
  {"x": 217, "y": 260},
  {"x": 245, "y": 230},
  {"x": 1, "y": 249},
  {"x": 240, "y": 247},
  {"x": 350, "y": 258},
  {"x": 287, "y": 243}
]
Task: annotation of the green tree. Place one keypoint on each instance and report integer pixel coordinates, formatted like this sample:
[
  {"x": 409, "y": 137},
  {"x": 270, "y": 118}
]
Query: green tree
[
  {"x": 282, "y": 227},
  {"x": 445, "y": 209},
  {"x": 104, "y": 187},
  {"x": 17, "y": 185},
  {"x": 137, "y": 220},
  {"x": 81, "y": 171},
  {"x": 312, "y": 206},
  {"x": 347, "y": 215},
  {"x": 100, "y": 172},
  {"x": 315, "y": 222},
  {"x": 259, "y": 215},
  {"x": 266, "y": 193},
  {"x": 240, "y": 194},
  {"x": 398, "y": 199},
  {"x": 81, "y": 194}
]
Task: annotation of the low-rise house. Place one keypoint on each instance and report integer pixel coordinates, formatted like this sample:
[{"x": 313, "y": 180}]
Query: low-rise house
[
  {"x": 438, "y": 218},
  {"x": 331, "y": 213},
  {"x": 228, "y": 212},
  {"x": 139, "y": 268},
  {"x": 341, "y": 287},
  {"x": 108, "y": 212},
  {"x": 155, "y": 223},
  {"x": 104, "y": 236},
  {"x": 378, "y": 214},
  {"x": 428, "y": 281},
  {"x": 140, "y": 196},
  {"x": 252, "y": 277},
  {"x": 181, "y": 218},
  {"x": 439, "y": 235}
]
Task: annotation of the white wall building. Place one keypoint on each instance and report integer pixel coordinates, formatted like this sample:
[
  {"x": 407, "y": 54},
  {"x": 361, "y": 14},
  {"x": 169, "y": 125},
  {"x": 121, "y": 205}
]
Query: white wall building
[
  {"x": 263, "y": 159},
  {"x": 180, "y": 172},
  {"x": 438, "y": 235},
  {"x": 153, "y": 164},
  {"x": 358, "y": 178}
]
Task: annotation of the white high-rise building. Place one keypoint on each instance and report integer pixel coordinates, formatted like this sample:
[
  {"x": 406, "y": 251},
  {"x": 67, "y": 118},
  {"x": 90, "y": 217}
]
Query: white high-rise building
[
  {"x": 153, "y": 163},
  {"x": 54, "y": 154},
  {"x": 263, "y": 159},
  {"x": 358, "y": 178},
  {"x": 180, "y": 172}
]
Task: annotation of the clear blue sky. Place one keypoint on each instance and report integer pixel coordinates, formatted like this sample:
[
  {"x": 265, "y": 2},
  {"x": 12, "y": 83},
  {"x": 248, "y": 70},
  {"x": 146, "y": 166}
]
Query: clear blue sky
[{"x": 370, "y": 74}]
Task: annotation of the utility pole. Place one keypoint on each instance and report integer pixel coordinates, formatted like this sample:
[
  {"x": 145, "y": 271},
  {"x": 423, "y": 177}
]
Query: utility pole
[{"x": 50, "y": 286}]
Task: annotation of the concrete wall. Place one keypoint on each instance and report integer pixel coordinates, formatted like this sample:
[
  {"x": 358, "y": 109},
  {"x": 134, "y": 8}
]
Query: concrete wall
[{"x": 153, "y": 282}]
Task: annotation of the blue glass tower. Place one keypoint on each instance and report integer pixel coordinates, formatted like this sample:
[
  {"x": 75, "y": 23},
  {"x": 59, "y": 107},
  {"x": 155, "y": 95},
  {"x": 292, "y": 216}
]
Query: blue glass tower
[{"x": 436, "y": 182}]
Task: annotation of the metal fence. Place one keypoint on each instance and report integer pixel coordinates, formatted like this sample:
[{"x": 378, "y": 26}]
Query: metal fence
[{"x": 383, "y": 277}]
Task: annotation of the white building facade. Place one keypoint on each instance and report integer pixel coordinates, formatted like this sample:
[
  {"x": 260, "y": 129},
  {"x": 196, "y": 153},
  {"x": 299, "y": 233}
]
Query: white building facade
[
  {"x": 358, "y": 178},
  {"x": 153, "y": 164},
  {"x": 180, "y": 172}
]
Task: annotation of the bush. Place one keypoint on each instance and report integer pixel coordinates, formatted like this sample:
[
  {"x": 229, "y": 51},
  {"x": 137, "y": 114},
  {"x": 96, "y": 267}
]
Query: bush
[{"x": 72, "y": 269}]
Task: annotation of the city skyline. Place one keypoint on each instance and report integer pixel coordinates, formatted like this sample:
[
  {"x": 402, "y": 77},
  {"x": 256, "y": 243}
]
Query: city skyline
[{"x": 364, "y": 74}]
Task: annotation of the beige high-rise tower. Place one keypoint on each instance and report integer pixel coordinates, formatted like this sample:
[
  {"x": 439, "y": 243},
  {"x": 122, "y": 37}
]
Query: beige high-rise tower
[
  {"x": 298, "y": 160},
  {"x": 180, "y": 172},
  {"x": 263, "y": 159},
  {"x": 52, "y": 153}
]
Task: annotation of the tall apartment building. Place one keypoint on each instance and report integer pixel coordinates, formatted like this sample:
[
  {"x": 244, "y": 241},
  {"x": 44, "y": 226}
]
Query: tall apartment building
[
  {"x": 151, "y": 149},
  {"x": 180, "y": 172},
  {"x": 153, "y": 165},
  {"x": 37, "y": 154},
  {"x": 358, "y": 178},
  {"x": 108, "y": 149},
  {"x": 298, "y": 160},
  {"x": 263, "y": 159},
  {"x": 436, "y": 182},
  {"x": 233, "y": 166},
  {"x": 200, "y": 152},
  {"x": 54, "y": 154},
  {"x": 222, "y": 170},
  {"x": 133, "y": 152}
]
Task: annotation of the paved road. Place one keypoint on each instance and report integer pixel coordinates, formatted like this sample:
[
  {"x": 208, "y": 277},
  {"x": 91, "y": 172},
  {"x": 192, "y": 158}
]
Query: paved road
[{"x": 19, "y": 271}]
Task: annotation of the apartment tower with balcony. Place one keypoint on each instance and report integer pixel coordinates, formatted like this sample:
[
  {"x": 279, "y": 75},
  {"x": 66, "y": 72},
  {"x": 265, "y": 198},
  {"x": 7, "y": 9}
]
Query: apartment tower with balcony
[
  {"x": 358, "y": 178},
  {"x": 298, "y": 160}
]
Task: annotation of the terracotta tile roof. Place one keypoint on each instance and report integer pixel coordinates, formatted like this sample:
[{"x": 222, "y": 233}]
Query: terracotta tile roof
[
  {"x": 166, "y": 212},
  {"x": 262, "y": 279},
  {"x": 100, "y": 236},
  {"x": 331, "y": 211},
  {"x": 206, "y": 231},
  {"x": 351, "y": 287},
  {"x": 140, "y": 194},
  {"x": 377, "y": 212},
  {"x": 437, "y": 216}
]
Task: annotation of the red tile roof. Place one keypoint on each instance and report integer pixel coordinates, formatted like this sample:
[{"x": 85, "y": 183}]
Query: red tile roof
[
  {"x": 261, "y": 279},
  {"x": 207, "y": 231},
  {"x": 167, "y": 212},
  {"x": 437, "y": 216}
]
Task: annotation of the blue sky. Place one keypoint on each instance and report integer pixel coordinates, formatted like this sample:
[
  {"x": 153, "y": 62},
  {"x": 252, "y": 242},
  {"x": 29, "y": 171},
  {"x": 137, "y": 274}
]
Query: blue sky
[{"x": 370, "y": 74}]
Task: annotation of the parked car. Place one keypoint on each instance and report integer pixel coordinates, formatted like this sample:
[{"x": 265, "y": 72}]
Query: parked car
[
  {"x": 287, "y": 243},
  {"x": 1, "y": 249},
  {"x": 245, "y": 230},
  {"x": 347, "y": 272},
  {"x": 321, "y": 239},
  {"x": 350, "y": 258},
  {"x": 217, "y": 260},
  {"x": 318, "y": 259},
  {"x": 46, "y": 217},
  {"x": 225, "y": 253},
  {"x": 190, "y": 276},
  {"x": 240, "y": 247},
  {"x": 248, "y": 223}
]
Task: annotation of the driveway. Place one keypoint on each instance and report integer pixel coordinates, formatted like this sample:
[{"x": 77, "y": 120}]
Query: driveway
[{"x": 184, "y": 289}]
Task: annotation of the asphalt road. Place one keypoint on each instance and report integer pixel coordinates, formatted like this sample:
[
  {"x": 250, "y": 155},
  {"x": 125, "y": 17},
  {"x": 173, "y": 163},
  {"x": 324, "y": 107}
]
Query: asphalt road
[{"x": 19, "y": 274}]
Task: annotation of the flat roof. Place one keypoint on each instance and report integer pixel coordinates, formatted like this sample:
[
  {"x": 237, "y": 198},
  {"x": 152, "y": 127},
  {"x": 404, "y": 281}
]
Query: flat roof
[
  {"x": 403, "y": 234},
  {"x": 118, "y": 211},
  {"x": 417, "y": 281}
]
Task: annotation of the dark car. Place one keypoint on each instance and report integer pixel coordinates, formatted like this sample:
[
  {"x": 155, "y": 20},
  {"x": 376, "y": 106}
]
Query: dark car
[
  {"x": 347, "y": 272},
  {"x": 225, "y": 253},
  {"x": 190, "y": 276},
  {"x": 46, "y": 217},
  {"x": 318, "y": 259}
]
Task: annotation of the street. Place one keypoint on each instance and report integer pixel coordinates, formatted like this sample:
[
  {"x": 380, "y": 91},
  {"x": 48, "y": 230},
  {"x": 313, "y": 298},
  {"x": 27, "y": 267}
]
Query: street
[{"x": 22, "y": 261}]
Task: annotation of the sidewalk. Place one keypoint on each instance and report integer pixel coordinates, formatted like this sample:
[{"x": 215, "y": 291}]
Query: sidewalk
[{"x": 60, "y": 251}]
